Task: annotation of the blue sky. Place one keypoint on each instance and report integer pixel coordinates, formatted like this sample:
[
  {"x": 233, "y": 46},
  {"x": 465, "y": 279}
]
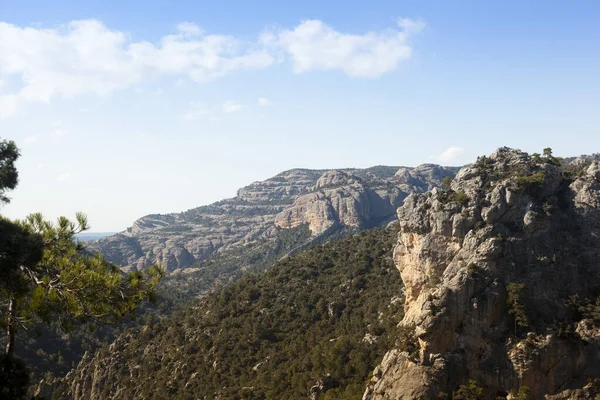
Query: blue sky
[{"x": 127, "y": 108}]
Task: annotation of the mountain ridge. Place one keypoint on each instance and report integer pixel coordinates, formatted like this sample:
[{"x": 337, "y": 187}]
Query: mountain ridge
[
  {"x": 324, "y": 199},
  {"x": 500, "y": 291}
]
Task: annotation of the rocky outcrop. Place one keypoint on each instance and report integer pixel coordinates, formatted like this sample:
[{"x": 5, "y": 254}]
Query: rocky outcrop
[
  {"x": 325, "y": 200},
  {"x": 338, "y": 197},
  {"x": 489, "y": 268}
]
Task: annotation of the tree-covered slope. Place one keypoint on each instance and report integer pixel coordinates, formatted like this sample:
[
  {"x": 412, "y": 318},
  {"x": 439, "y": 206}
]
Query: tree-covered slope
[
  {"x": 49, "y": 351},
  {"x": 318, "y": 321}
]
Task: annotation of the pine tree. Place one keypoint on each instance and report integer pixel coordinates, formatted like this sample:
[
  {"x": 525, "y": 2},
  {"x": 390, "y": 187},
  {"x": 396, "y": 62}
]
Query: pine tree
[{"x": 46, "y": 275}]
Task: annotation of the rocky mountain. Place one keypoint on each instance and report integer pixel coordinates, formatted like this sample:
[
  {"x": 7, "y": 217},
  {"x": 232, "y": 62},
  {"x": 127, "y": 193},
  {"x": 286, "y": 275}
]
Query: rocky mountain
[
  {"x": 500, "y": 285},
  {"x": 502, "y": 278},
  {"x": 236, "y": 236},
  {"x": 325, "y": 200}
]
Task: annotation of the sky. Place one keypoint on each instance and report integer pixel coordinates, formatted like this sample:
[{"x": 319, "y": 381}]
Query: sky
[{"x": 127, "y": 108}]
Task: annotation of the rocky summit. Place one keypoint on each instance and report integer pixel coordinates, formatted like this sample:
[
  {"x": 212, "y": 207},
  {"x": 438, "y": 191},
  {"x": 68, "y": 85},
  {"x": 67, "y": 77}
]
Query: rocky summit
[
  {"x": 502, "y": 274},
  {"x": 325, "y": 200}
]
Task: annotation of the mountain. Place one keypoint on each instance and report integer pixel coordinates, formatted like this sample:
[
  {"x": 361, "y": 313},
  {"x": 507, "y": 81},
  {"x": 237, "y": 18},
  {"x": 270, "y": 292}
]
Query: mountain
[
  {"x": 500, "y": 282},
  {"x": 264, "y": 223},
  {"x": 327, "y": 201},
  {"x": 502, "y": 279}
]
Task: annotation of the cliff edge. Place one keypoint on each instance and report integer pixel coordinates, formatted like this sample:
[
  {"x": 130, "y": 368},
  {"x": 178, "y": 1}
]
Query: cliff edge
[{"x": 501, "y": 269}]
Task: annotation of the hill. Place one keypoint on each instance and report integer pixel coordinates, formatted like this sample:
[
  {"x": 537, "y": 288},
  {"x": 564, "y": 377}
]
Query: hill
[{"x": 316, "y": 322}]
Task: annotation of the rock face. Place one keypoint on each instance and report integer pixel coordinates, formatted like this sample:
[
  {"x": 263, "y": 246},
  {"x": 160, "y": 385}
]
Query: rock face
[
  {"x": 326, "y": 200},
  {"x": 512, "y": 238}
]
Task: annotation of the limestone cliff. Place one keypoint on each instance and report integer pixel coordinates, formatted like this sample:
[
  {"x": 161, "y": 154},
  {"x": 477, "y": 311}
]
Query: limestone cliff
[
  {"x": 501, "y": 272},
  {"x": 326, "y": 200}
]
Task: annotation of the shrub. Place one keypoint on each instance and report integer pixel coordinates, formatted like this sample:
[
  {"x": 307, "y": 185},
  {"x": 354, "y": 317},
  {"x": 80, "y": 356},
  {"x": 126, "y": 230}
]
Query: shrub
[
  {"x": 446, "y": 182},
  {"x": 468, "y": 391},
  {"x": 461, "y": 198},
  {"x": 515, "y": 304},
  {"x": 522, "y": 394}
]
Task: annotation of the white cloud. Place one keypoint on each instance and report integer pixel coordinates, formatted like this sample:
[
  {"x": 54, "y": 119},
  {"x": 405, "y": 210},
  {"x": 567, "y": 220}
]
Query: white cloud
[
  {"x": 41, "y": 165},
  {"x": 264, "y": 102},
  {"x": 31, "y": 139},
  {"x": 313, "y": 45},
  {"x": 410, "y": 25},
  {"x": 232, "y": 106},
  {"x": 451, "y": 154},
  {"x": 56, "y": 123},
  {"x": 197, "y": 111},
  {"x": 189, "y": 29},
  {"x": 63, "y": 177},
  {"x": 61, "y": 132},
  {"x": 87, "y": 57}
]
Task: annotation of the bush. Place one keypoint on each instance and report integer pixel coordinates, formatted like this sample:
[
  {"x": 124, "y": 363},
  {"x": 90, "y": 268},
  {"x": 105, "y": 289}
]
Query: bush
[
  {"x": 468, "y": 391},
  {"x": 534, "y": 180},
  {"x": 522, "y": 393},
  {"x": 461, "y": 198}
]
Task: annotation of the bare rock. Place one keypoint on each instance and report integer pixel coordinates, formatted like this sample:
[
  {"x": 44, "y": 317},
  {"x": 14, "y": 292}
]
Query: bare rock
[
  {"x": 506, "y": 218},
  {"x": 325, "y": 200}
]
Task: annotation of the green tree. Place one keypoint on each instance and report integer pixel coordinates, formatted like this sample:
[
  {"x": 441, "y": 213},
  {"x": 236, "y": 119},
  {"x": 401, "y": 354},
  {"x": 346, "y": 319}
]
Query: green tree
[
  {"x": 46, "y": 275},
  {"x": 515, "y": 304},
  {"x": 468, "y": 391},
  {"x": 549, "y": 158},
  {"x": 522, "y": 394},
  {"x": 446, "y": 182},
  {"x": 61, "y": 282},
  {"x": 8, "y": 171}
]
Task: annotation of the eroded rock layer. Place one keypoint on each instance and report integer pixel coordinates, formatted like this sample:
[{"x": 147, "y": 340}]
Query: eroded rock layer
[
  {"x": 325, "y": 200},
  {"x": 502, "y": 276}
]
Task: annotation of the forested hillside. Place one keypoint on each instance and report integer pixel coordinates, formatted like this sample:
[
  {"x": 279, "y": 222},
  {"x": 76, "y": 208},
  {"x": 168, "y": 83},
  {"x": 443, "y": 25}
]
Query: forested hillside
[{"x": 316, "y": 322}]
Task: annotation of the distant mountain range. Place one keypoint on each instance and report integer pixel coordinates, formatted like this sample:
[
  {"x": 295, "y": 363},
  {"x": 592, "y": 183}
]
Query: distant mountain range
[
  {"x": 327, "y": 201},
  {"x": 89, "y": 236}
]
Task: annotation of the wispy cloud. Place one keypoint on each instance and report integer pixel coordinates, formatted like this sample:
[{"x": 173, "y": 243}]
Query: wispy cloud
[
  {"x": 31, "y": 139},
  {"x": 189, "y": 29},
  {"x": 87, "y": 57},
  {"x": 264, "y": 102},
  {"x": 232, "y": 106},
  {"x": 63, "y": 177},
  {"x": 197, "y": 111},
  {"x": 61, "y": 132},
  {"x": 451, "y": 154}
]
